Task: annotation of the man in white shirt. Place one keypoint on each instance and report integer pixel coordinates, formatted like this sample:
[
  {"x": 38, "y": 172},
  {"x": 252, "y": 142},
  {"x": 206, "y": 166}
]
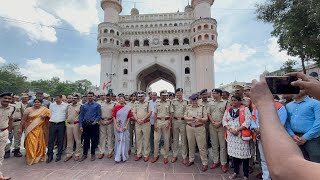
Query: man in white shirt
[
  {"x": 57, "y": 127},
  {"x": 153, "y": 103}
]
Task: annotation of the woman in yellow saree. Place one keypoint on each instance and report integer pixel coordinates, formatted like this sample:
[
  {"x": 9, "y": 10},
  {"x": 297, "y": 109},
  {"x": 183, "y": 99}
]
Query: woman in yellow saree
[{"x": 35, "y": 124}]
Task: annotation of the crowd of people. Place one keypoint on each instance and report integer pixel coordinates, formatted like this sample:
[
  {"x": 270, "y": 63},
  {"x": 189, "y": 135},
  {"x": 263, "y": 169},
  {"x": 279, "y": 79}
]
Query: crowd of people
[{"x": 233, "y": 127}]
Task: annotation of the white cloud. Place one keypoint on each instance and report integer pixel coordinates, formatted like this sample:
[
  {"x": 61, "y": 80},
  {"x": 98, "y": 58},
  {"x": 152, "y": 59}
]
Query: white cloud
[
  {"x": 2, "y": 60},
  {"x": 80, "y": 14},
  {"x": 236, "y": 53},
  {"x": 28, "y": 11},
  {"x": 274, "y": 51},
  {"x": 36, "y": 69},
  {"x": 90, "y": 72}
]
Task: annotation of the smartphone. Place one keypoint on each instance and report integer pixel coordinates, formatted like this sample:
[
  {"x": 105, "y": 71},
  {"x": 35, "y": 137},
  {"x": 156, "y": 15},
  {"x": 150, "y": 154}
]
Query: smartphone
[{"x": 282, "y": 84}]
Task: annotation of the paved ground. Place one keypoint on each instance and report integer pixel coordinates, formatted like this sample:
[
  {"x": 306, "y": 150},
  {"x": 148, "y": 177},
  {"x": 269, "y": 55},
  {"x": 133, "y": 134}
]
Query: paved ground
[{"x": 108, "y": 169}]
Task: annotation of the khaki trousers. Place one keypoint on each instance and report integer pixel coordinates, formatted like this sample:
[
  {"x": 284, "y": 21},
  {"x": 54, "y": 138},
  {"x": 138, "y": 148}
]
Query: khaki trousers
[
  {"x": 162, "y": 130},
  {"x": 16, "y": 137},
  {"x": 143, "y": 138},
  {"x": 106, "y": 132},
  {"x": 179, "y": 127},
  {"x": 197, "y": 135},
  {"x": 73, "y": 135},
  {"x": 217, "y": 140},
  {"x": 3, "y": 141}
]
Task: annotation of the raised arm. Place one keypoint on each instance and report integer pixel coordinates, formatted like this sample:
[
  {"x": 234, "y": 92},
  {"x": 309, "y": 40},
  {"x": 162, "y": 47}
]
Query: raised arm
[{"x": 285, "y": 160}]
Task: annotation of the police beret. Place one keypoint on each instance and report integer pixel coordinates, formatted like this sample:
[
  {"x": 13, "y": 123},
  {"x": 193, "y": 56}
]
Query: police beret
[
  {"x": 109, "y": 94},
  {"x": 134, "y": 94},
  {"x": 203, "y": 91},
  {"x": 179, "y": 90},
  {"x": 121, "y": 95},
  {"x": 6, "y": 94},
  {"x": 217, "y": 91},
  {"x": 194, "y": 97},
  {"x": 171, "y": 94}
]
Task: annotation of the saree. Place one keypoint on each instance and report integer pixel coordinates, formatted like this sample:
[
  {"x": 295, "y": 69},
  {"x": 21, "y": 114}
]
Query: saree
[
  {"x": 122, "y": 139},
  {"x": 36, "y": 132}
]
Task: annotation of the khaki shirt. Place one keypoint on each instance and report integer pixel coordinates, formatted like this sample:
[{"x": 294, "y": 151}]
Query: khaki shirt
[
  {"x": 217, "y": 109},
  {"x": 163, "y": 109},
  {"x": 73, "y": 112},
  {"x": 200, "y": 111},
  {"x": 132, "y": 104},
  {"x": 179, "y": 107},
  {"x": 206, "y": 104},
  {"x": 18, "y": 111},
  {"x": 5, "y": 115},
  {"x": 142, "y": 109},
  {"x": 107, "y": 109}
]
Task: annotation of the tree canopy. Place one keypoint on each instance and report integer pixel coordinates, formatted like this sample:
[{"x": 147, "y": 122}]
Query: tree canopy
[
  {"x": 296, "y": 23},
  {"x": 11, "y": 80}
]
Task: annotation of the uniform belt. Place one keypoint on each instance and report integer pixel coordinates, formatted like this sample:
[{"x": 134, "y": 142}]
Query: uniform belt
[
  {"x": 57, "y": 122},
  {"x": 75, "y": 122},
  {"x": 176, "y": 118},
  {"x": 1, "y": 130},
  {"x": 106, "y": 119},
  {"x": 198, "y": 125},
  {"x": 146, "y": 121},
  {"x": 166, "y": 118},
  {"x": 16, "y": 120}
]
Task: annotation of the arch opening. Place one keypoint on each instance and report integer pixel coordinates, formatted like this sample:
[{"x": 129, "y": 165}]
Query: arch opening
[{"x": 153, "y": 74}]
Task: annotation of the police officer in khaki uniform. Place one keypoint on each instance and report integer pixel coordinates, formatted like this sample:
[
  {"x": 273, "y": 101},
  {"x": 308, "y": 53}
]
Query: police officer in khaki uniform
[
  {"x": 106, "y": 127},
  {"x": 205, "y": 101},
  {"x": 215, "y": 114},
  {"x": 132, "y": 103},
  {"x": 17, "y": 116},
  {"x": 6, "y": 112},
  {"x": 179, "y": 106},
  {"x": 162, "y": 126},
  {"x": 141, "y": 113},
  {"x": 73, "y": 129},
  {"x": 196, "y": 115}
]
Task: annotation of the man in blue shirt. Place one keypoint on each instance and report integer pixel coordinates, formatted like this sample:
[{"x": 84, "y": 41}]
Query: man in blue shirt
[
  {"x": 303, "y": 125},
  {"x": 90, "y": 115},
  {"x": 282, "y": 113}
]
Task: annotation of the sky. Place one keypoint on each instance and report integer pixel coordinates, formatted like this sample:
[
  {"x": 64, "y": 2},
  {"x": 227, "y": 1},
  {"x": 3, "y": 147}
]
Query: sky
[{"x": 68, "y": 51}]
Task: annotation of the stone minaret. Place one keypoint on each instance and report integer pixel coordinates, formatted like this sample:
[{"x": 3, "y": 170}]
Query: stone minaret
[
  {"x": 109, "y": 41},
  {"x": 204, "y": 43}
]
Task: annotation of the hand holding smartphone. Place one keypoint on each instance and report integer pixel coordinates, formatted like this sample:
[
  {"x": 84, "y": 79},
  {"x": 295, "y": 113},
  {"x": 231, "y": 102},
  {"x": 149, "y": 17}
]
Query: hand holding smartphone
[{"x": 282, "y": 84}]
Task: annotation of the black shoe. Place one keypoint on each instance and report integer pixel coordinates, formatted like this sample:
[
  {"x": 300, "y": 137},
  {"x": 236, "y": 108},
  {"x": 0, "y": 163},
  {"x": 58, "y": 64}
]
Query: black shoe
[
  {"x": 6, "y": 155},
  {"x": 84, "y": 157},
  {"x": 58, "y": 158},
  {"x": 17, "y": 153},
  {"x": 49, "y": 159}
]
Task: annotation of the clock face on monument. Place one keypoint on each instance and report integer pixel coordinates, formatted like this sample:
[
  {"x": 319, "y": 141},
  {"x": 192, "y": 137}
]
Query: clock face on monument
[{"x": 156, "y": 41}]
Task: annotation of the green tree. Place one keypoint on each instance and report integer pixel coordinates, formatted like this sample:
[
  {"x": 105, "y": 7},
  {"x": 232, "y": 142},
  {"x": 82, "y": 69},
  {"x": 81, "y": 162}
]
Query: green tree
[
  {"x": 296, "y": 24},
  {"x": 83, "y": 86},
  {"x": 11, "y": 80},
  {"x": 288, "y": 66}
]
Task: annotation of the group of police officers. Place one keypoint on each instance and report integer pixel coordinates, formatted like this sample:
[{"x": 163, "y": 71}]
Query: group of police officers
[{"x": 170, "y": 121}]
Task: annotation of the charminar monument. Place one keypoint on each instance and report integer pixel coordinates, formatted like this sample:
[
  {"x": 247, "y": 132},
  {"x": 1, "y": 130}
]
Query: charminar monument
[{"x": 140, "y": 49}]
